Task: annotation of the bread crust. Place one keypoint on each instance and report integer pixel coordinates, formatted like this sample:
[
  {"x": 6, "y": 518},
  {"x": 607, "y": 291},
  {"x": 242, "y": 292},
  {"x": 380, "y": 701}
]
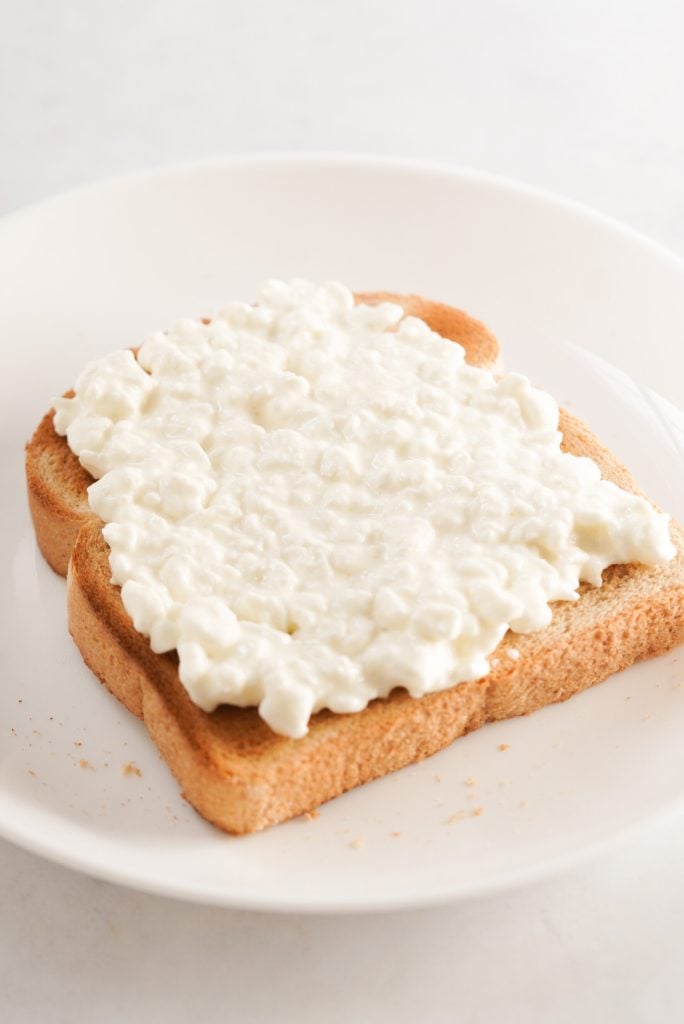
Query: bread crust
[
  {"x": 231, "y": 767},
  {"x": 57, "y": 487}
]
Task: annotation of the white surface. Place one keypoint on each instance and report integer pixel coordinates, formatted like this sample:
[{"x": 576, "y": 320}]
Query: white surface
[
  {"x": 570, "y": 781},
  {"x": 583, "y": 99}
]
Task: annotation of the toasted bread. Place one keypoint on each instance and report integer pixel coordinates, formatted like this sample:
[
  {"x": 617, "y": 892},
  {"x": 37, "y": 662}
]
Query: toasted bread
[{"x": 231, "y": 767}]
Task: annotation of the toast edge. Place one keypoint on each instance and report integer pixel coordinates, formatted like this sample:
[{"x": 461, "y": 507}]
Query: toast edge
[
  {"x": 245, "y": 794},
  {"x": 57, "y": 517}
]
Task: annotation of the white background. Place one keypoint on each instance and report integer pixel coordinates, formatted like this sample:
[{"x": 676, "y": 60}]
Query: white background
[{"x": 584, "y": 98}]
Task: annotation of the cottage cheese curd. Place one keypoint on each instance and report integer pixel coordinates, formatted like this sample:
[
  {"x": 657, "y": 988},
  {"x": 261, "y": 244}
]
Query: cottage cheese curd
[{"x": 314, "y": 502}]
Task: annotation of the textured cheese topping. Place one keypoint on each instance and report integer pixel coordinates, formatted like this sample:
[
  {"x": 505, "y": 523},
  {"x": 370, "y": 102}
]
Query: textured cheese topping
[{"x": 314, "y": 502}]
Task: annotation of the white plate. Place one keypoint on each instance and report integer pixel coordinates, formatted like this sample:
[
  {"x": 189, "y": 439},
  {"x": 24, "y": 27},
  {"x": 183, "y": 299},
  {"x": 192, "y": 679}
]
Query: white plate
[{"x": 582, "y": 305}]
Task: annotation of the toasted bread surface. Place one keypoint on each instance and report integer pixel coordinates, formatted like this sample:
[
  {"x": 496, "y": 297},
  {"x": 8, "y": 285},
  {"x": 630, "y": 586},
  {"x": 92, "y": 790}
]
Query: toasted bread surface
[{"x": 231, "y": 767}]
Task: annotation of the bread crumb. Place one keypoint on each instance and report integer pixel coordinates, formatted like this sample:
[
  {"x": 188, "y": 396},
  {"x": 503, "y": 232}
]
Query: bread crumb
[
  {"x": 31, "y": 772},
  {"x": 458, "y": 816},
  {"x": 513, "y": 653},
  {"x": 77, "y": 743},
  {"x": 437, "y": 777},
  {"x": 504, "y": 746},
  {"x": 478, "y": 812},
  {"x": 470, "y": 781},
  {"x": 312, "y": 815},
  {"x": 130, "y": 768},
  {"x": 357, "y": 844},
  {"x": 395, "y": 835},
  {"x": 84, "y": 763}
]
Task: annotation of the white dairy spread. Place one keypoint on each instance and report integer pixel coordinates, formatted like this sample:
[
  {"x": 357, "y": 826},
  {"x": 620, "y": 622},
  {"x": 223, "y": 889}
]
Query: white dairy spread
[{"x": 314, "y": 502}]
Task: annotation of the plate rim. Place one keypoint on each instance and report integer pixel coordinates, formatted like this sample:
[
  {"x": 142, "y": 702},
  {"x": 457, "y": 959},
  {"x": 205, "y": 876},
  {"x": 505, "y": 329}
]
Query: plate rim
[
  {"x": 233, "y": 899},
  {"x": 367, "y": 160}
]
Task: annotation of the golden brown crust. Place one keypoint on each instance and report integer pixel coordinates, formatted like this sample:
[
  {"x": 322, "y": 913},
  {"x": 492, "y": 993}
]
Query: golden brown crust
[
  {"x": 57, "y": 492},
  {"x": 482, "y": 348},
  {"x": 239, "y": 774}
]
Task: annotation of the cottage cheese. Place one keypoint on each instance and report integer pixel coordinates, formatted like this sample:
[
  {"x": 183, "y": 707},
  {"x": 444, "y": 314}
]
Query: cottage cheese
[{"x": 314, "y": 502}]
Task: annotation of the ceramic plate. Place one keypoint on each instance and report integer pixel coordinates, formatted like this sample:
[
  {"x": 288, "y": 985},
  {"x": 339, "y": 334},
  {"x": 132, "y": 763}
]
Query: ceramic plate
[{"x": 586, "y": 308}]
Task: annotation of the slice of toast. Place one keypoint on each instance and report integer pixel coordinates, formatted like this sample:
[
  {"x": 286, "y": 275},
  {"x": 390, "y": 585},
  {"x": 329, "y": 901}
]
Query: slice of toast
[{"x": 242, "y": 776}]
